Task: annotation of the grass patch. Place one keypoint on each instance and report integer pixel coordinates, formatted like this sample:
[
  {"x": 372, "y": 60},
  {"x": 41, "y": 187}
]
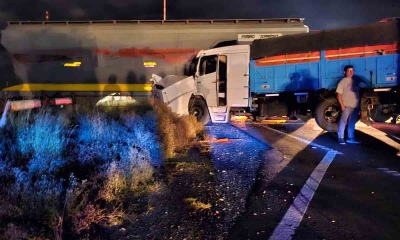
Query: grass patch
[
  {"x": 70, "y": 174},
  {"x": 195, "y": 204}
]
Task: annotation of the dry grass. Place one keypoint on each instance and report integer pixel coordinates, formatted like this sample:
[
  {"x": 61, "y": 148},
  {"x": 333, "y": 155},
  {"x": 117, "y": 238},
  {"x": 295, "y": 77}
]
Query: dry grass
[
  {"x": 193, "y": 203},
  {"x": 124, "y": 179},
  {"x": 176, "y": 132},
  {"x": 92, "y": 215},
  {"x": 114, "y": 156},
  {"x": 14, "y": 232},
  {"x": 116, "y": 184}
]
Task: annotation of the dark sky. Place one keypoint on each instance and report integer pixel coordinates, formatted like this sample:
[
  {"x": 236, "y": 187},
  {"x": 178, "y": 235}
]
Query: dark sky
[{"x": 318, "y": 14}]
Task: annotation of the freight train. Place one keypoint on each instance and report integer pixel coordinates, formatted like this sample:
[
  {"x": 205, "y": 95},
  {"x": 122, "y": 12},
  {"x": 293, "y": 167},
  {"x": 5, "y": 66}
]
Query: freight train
[{"x": 97, "y": 58}]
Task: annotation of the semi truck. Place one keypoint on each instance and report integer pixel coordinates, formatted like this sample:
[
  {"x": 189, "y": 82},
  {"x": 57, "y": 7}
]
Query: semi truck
[{"x": 290, "y": 75}]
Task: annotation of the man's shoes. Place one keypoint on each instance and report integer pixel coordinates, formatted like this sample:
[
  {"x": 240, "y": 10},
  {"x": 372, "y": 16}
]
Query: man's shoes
[
  {"x": 341, "y": 141},
  {"x": 353, "y": 141}
]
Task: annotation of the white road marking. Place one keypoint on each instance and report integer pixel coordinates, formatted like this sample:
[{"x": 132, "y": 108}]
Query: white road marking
[
  {"x": 393, "y": 136},
  {"x": 388, "y": 171},
  {"x": 291, "y": 220},
  {"x": 301, "y": 139},
  {"x": 383, "y": 169},
  {"x": 294, "y": 215}
]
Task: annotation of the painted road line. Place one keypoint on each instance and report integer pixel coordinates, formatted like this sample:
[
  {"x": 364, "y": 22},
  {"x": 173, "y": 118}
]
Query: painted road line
[
  {"x": 393, "y": 136},
  {"x": 390, "y": 172},
  {"x": 301, "y": 139},
  {"x": 383, "y": 169},
  {"x": 291, "y": 220}
]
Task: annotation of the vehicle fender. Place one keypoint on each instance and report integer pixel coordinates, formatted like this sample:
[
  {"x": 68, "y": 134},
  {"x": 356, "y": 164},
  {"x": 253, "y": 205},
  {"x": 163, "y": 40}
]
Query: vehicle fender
[{"x": 180, "y": 104}]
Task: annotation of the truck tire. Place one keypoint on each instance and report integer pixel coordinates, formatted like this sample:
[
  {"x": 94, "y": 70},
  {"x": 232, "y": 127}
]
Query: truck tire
[
  {"x": 327, "y": 114},
  {"x": 381, "y": 113},
  {"x": 198, "y": 108}
]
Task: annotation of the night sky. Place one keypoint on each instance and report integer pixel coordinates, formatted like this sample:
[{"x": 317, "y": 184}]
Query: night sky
[{"x": 322, "y": 14}]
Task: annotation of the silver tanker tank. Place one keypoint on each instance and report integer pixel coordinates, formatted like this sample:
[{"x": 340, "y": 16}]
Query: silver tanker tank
[{"x": 55, "y": 56}]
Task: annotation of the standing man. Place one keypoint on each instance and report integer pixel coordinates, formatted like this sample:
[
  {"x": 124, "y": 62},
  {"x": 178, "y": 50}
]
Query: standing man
[{"x": 348, "y": 95}]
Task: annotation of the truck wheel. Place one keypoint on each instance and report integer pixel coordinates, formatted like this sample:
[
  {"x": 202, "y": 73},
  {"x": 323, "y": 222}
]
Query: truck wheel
[
  {"x": 327, "y": 114},
  {"x": 381, "y": 113},
  {"x": 198, "y": 108}
]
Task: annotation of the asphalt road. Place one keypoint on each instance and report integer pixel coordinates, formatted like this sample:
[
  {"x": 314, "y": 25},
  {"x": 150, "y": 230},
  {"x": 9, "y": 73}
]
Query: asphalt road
[{"x": 310, "y": 187}]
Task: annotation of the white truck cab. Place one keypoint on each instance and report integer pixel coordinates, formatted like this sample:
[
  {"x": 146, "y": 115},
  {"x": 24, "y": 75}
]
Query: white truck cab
[{"x": 218, "y": 79}]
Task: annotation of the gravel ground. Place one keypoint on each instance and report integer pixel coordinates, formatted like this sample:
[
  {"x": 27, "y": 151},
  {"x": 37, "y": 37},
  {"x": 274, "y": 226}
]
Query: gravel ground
[
  {"x": 234, "y": 150},
  {"x": 223, "y": 178},
  {"x": 237, "y": 157}
]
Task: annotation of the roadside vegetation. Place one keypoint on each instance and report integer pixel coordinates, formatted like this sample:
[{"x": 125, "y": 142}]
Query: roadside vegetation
[{"x": 105, "y": 174}]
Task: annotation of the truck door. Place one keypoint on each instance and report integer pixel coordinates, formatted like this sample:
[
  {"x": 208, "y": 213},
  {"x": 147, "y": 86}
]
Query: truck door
[
  {"x": 206, "y": 79},
  {"x": 238, "y": 80}
]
